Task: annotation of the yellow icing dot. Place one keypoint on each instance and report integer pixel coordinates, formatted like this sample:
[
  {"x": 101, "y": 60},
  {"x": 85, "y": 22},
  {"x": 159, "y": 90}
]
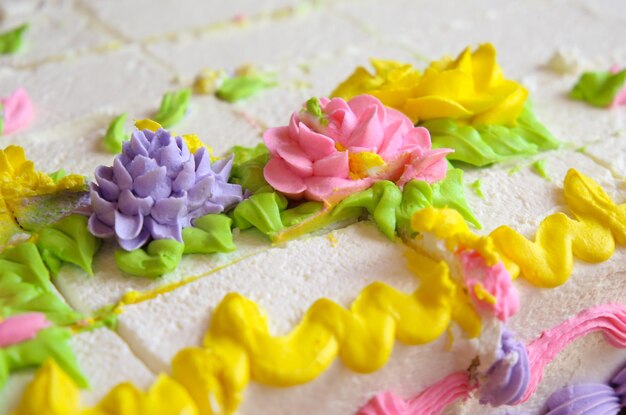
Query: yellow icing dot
[
  {"x": 147, "y": 124},
  {"x": 484, "y": 295},
  {"x": 364, "y": 164}
]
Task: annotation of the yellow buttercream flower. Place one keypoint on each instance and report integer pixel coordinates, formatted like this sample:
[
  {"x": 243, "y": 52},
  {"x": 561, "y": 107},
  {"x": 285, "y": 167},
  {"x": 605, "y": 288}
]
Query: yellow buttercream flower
[
  {"x": 393, "y": 83},
  {"x": 20, "y": 180},
  {"x": 470, "y": 88}
]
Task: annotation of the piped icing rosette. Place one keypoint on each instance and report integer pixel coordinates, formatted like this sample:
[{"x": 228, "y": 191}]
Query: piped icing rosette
[
  {"x": 508, "y": 378},
  {"x": 333, "y": 148},
  {"x": 155, "y": 188}
]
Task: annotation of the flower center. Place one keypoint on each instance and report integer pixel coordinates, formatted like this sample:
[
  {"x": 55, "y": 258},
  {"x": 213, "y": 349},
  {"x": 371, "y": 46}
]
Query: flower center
[{"x": 364, "y": 164}]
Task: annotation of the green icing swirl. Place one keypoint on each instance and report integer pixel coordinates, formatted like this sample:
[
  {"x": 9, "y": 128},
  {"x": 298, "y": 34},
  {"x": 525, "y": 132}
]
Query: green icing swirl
[
  {"x": 12, "y": 40},
  {"x": 241, "y": 87},
  {"x": 248, "y": 164},
  {"x": 115, "y": 135},
  {"x": 209, "y": 234},
  {"x": 173, "y": 107},
  {"x": 598, "y": 88},
  {"x": 25, "y": 286},
  {"x": 53, "y": 342},
  {"x": 486, "y": 144},
  {"x": 160, "y": 257},
  {"x": 68, "y": 240}
]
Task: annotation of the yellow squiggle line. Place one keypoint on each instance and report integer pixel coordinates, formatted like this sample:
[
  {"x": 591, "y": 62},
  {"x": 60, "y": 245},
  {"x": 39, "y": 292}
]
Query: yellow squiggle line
[
  {"x": 598, "y": 224},
  {"x": 238, "y": 347}
]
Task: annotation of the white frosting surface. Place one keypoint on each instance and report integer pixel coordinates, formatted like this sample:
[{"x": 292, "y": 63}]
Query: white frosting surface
[{"x": 84, "y": 63}]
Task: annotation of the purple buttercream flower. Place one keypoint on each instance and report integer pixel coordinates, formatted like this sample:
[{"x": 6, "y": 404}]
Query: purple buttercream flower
[
  {"x": 155, "y": 188},
  {"x": 508, "y": 378}
]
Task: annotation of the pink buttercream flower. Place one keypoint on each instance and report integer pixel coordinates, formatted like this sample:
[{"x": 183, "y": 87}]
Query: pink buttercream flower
[
  {"x": 332, "y": 148},
  {"x": 20, "y": 328},
  {"x": 16, "y": 111}
]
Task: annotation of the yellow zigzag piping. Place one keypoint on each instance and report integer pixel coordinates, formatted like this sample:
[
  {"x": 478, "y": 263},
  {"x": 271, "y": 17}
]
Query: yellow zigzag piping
[
  {"x": 547, "y": 262},
  {"x": 238, "y": 347}
]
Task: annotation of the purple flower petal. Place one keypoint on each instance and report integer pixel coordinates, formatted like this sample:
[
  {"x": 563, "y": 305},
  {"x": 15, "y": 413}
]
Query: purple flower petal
[
  {"x": 201, "y": 191},
  {"x": 203, "y": 163},
  {"x": 223, "y": 167},
  {"x": 159, "y": 231},
  {"x": 129, "y": 204},
  {"x": 126, "y": 226},
  {"x": 139, "y": 144},
  {"x": 155, "y": 184},
  {"x": 108, "y": 188},
  {"x": 120, "y": 175},
  {"x": 99, "y": 229},
  {"x": 186, "y": 178},
  {"x": 170, "y": 211},
  {"x": 141, "y": 165},
  {"x": 138, "y": 242},
  {"x": 104, "y": 209}
]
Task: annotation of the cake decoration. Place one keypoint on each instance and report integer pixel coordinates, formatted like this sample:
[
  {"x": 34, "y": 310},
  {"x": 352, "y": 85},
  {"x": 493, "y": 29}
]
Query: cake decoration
[
  {"x": 16, "y": 112},
  {"x": 601, "y": 89},
  {"x": 513, "y": 378},
  {"x": 540, "y": 167},
  {"x": 432, "y": 401},
  {"x": 590, "y": 398},
  {"x": 466, "y": 104},
  {"x": 174, "y": 106},
  {"x": 11, "y": 41},
  {"x": 333, "y": 148},
  {"x": 16, "y": 329},
  {"x": 155, "y": 188},
  {"x": 508, "y": 378},
  {"x": 115, "y": 135},
  {"x": 246, "y": 82}
]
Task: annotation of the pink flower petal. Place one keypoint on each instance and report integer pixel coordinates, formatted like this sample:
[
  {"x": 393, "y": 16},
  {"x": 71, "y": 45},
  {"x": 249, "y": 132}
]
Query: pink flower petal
[
  {"x": 297, "y": 160},
  {"x": 431, "y": 167},
  {"x": 369, "y": 132},
  {"x": 333, "y": 189},
  {"x": 282, "y": 178},
  {"x": 18, "y": 329},
  {"x": 18, "y": 111},
  {"x": 416, "y": 137},
  {"x": 275, "y": 137},
  {"x": 315, "y": 145},
  {"x": 335, "y": 165}
]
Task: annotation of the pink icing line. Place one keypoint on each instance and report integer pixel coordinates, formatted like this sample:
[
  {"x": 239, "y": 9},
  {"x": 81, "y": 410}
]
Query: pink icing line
[
  {"x": 432, "y": 401},
  {"x": 20, "y": 328},
  {"x": 609, "y": 319}
]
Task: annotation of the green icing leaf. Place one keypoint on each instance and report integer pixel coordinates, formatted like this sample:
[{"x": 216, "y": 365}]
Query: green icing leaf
[
  {"x": 540, "y": 168},
  {"x": 248, "y": 164},
  {"x": 11, "y": 41},
  {"x": 599, "y": 88},
  {"x": 241, "y": 87},
  {"x": 37, "y": 212},
  {"x": 209, "y": 234},
  {"x": 68, "y": 240},
  {"x": 115, "y": 135},
  {"x": 300, "y": 213},
  {"x": 58, "y": 175},
  {"x": 53, "y": 342},
  {"x": 173, "y": 107},
  {"x": 261, "y": 211},
  {"x": 477, "y": 186},
  {"x": 487, "y": 144},
  {"x": 162, "y": 256},
  {"x": 382, "y": 200},
  {"x": 25, "y": 286}
]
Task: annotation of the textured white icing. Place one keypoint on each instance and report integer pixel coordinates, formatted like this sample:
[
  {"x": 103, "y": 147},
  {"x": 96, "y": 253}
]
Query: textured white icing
[{"x": 78, "y": 84}]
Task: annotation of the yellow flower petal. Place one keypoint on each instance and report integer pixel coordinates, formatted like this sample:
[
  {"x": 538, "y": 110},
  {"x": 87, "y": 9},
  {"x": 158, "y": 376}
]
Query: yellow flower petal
[{"x": 430, "y": 107}]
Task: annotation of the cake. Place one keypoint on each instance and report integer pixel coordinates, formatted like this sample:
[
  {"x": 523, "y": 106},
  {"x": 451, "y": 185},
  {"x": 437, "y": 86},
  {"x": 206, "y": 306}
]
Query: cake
[{"x": 396, "y": 276}]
